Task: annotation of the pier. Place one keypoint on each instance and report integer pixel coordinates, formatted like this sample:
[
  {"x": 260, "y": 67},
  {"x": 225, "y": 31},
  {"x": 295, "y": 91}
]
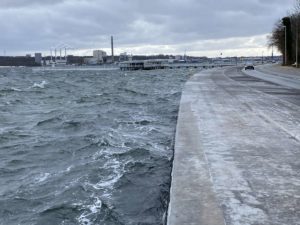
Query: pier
[{"x": 164, "y": 64}]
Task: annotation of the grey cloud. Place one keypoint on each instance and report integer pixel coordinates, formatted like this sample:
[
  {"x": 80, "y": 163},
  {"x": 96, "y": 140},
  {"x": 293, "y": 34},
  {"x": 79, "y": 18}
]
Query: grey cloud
[
  {"x": 26, "y": 3},
  {"x": 38, "y": 25}
]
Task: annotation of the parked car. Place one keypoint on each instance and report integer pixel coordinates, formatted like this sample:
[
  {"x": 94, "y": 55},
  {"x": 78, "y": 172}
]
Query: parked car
[{"x": 249, "y": 67}]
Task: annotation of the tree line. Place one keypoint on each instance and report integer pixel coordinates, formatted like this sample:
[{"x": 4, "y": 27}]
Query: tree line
[{"x": 285, "y": 36}]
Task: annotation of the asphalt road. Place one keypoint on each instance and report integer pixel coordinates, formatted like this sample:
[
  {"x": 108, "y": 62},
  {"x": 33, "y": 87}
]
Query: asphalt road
[{"x": 284, "y": 87}]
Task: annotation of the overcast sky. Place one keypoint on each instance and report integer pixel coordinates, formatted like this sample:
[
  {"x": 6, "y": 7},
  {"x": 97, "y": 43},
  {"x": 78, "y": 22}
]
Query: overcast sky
[{"x": 199, "y": 27}]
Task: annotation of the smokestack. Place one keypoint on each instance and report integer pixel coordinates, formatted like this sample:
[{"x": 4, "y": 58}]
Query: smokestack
[{"x": 112, "y": 49}]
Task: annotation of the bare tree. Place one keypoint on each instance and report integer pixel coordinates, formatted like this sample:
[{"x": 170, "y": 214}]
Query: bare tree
[
  {"x": 286, "y": 34},
  {"x": 296, "y": 30},
  {"x": 276, "y": 39},
  {"x": 297, "y": 6}
]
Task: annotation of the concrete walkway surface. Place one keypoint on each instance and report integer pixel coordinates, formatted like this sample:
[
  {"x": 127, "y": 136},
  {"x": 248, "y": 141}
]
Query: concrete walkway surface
[{"x": 237, "y": 155}]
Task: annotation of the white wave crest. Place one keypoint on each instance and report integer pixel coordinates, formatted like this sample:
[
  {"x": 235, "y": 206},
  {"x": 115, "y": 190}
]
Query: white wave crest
[
  {"x": 42, "y": 177},
  {"x": 15, "y": 89},
  {"x": 40, "y": 85},
  {"x": 91, "y": 210}
]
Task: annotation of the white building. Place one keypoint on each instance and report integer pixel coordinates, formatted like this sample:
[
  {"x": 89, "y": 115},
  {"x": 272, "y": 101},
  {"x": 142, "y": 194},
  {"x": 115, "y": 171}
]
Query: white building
[
  {"x": 99, "y": 55},
  {"x": 125, "y": 57}
]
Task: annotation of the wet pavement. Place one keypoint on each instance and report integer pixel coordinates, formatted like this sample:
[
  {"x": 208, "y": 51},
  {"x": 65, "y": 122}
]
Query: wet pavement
[{"x": 237, "y": 152}]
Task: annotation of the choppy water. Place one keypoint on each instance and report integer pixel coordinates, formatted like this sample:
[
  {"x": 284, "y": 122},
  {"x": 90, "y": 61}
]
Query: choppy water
[{"x": 86, "y": 147}]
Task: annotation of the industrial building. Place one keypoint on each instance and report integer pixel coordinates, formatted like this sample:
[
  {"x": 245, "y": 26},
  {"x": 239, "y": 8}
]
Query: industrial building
[{"x": 38, "y": 58}]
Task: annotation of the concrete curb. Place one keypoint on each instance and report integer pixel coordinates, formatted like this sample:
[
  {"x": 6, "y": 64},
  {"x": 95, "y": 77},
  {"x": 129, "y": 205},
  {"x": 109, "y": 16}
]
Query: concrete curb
[{"x": 192, "y": 198}]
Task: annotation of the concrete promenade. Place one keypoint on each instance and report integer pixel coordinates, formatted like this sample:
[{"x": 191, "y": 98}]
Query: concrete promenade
[{"x": 237, "y": 153}]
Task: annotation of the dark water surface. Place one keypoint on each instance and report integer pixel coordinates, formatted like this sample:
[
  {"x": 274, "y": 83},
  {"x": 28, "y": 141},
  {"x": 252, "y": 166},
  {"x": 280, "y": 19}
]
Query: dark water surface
[{"x": 86, "y": 147}]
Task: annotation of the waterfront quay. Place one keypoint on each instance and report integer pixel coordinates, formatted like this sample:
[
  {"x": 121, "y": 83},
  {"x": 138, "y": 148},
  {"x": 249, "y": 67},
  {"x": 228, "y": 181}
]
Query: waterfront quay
[{"x": 237, "y": 151}]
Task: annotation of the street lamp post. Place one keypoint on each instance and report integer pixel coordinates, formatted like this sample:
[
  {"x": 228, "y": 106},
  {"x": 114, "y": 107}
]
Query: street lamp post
[
  {"x": 297, "y": 36},
  {"x": 272, "y": 53},
  {"x": 285, "y": 46},
  {"x": 51, "y": 55}
]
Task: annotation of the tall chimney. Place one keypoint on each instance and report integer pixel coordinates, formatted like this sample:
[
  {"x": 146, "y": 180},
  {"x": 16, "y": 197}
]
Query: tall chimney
[{"x": 112, "y": 49}]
